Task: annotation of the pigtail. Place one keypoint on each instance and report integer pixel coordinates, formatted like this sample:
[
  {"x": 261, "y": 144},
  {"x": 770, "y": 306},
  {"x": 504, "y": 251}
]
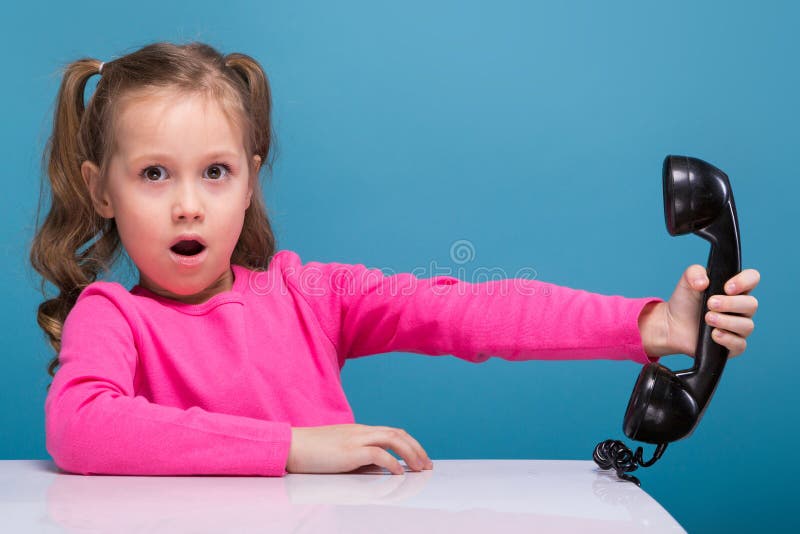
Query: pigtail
[
  {"x": 255, "y": 246},
  {"x": 71, "y": 221},
  {"x": 259, "y": 101}
]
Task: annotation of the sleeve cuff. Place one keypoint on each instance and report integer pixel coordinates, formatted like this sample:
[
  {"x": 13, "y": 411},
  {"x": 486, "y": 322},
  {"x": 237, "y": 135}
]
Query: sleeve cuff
[
  {"x": 278, "y": 452},
  {"x": 636, "y": 345}
]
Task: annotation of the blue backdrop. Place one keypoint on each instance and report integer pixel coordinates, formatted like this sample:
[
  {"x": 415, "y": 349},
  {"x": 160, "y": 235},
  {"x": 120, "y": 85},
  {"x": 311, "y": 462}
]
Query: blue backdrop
[{"x": 535, "y": 132}]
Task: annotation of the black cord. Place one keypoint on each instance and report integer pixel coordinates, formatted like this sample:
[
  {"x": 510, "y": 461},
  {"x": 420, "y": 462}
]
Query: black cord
[{"x": 614, "y": 454}]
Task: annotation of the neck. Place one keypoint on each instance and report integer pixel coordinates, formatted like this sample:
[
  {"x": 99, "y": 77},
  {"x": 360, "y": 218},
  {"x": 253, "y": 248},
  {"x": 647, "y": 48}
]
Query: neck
[{"x": 223, "y": 283}]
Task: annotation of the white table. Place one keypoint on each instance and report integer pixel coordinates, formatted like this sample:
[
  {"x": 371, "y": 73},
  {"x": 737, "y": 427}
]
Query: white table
[{"x": 463, "y": 496}]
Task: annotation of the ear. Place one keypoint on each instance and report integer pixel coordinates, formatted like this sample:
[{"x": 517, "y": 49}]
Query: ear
[
  {"x": 256, "y": 167},
  {"x": 101, "y": 201}
]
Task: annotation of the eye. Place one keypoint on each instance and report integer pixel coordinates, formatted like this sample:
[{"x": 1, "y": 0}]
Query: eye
[
  {"x": 215, "y": 170},
  {"x": 153, "y": 171}
]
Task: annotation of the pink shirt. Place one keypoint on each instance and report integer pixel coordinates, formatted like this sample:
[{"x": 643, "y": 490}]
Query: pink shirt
[{"x": 152, "y": 386}]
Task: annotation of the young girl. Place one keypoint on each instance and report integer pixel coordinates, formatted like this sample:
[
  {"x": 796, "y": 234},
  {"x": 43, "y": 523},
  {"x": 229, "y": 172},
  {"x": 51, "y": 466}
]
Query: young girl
[{"x": 225, "y": 357}]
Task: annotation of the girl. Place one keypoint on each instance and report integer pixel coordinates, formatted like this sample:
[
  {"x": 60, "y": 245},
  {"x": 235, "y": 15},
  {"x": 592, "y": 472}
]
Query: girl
[{"x": 225, "y": 357}]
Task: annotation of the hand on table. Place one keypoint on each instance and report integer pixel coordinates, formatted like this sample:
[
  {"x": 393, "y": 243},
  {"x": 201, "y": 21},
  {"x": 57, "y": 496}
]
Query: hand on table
[{"x": 346, "y": 447}]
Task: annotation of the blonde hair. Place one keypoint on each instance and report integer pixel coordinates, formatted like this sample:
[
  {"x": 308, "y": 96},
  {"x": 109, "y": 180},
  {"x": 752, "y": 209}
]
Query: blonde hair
[{"x": 61, "y": 250}]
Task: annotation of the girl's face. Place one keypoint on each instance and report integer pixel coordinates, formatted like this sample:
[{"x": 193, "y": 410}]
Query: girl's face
[{"x": 179, "y": 167}]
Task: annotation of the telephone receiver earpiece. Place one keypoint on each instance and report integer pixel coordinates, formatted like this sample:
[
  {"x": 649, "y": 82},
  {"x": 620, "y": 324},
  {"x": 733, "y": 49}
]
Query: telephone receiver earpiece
[{"x": 666, "y": 406}]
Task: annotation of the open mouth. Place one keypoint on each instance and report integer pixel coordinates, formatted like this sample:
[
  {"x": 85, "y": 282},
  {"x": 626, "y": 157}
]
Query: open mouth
[{"x": 187, "y": 248}]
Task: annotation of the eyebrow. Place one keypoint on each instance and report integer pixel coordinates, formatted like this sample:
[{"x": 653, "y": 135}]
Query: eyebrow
[{"x": 159, "y": 156}]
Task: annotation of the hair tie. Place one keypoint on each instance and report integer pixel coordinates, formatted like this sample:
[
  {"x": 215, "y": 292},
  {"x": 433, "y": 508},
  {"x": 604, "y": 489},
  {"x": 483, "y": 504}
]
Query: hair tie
[{"x": 100, "y": 70}]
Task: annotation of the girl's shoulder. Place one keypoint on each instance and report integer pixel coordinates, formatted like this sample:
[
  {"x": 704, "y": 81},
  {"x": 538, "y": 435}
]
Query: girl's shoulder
[
  {"x": 101, "y": 292},
  {"x": 102, "y": 306},
  {"x": 286, "y": 259},
  {"x": 285, "y": 256},
  {"x": 103, "y": 287}
]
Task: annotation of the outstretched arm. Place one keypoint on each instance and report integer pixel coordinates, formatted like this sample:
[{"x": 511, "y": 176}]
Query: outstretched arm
[{"x": 366, "y": 312}]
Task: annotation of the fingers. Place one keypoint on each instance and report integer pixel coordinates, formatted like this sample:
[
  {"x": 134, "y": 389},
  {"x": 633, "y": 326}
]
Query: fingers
[
  {"x": 743, "y": 304},
  {"x": 423, "y": 455},
  {"x": 695, "y": 277},
  {"x": 730, "y": 330},
  {"x": 735, "y": 344},
  {"x": 379, "y": 456},
  {"x": 403, "y": 444},
  {"x": 742, "y": 326},
  {"x": 742, "y": 282}
]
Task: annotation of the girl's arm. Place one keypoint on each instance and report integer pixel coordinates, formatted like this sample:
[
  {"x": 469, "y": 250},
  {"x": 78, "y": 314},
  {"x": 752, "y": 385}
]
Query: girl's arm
[
  {"x": 95, "y": 424},
  {"x": 366, "y": 312}
]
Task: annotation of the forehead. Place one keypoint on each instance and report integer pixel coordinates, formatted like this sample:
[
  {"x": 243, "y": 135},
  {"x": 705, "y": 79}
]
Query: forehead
[{"x": 174, "y": 122}]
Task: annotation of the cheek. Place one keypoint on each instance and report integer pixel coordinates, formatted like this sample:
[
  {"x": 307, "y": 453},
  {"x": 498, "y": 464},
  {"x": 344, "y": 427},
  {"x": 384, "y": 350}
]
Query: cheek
[
  {"x": 236, "y": 205},
  {"x": 137, "y": 226},
  {"x": 234, "y": 219}
]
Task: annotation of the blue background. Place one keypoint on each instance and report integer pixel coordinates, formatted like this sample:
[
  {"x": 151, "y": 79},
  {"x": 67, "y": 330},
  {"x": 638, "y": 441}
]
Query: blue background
[{"x": 534, "y": 131}]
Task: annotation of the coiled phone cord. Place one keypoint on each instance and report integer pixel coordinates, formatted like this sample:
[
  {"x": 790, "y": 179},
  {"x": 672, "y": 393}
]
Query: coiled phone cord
[{"x": 614, "y": 454}]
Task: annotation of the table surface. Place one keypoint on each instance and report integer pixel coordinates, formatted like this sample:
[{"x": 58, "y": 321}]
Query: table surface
[{"x": 457, "y": 495}]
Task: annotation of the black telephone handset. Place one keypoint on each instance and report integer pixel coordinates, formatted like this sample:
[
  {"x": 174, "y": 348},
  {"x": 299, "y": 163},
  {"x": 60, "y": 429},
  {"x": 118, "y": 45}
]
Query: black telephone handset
[{"x": 666, "y": 406}]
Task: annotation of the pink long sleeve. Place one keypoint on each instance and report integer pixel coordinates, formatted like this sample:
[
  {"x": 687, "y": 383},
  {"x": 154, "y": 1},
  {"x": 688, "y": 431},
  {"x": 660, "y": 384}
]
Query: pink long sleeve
[
  {"x": 151, "y": 386},
  {"x": 364, "y": 311},
  {"x": 96, "y": 424}
]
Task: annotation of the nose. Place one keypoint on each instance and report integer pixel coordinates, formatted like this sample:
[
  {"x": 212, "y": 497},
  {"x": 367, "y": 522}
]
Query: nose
[{"x": 188, "y": 203}]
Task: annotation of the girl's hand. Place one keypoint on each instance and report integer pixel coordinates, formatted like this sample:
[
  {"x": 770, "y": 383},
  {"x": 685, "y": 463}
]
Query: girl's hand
[
  {"x": 672, "y": 327},
  {"x": 343, "y": 448}
]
